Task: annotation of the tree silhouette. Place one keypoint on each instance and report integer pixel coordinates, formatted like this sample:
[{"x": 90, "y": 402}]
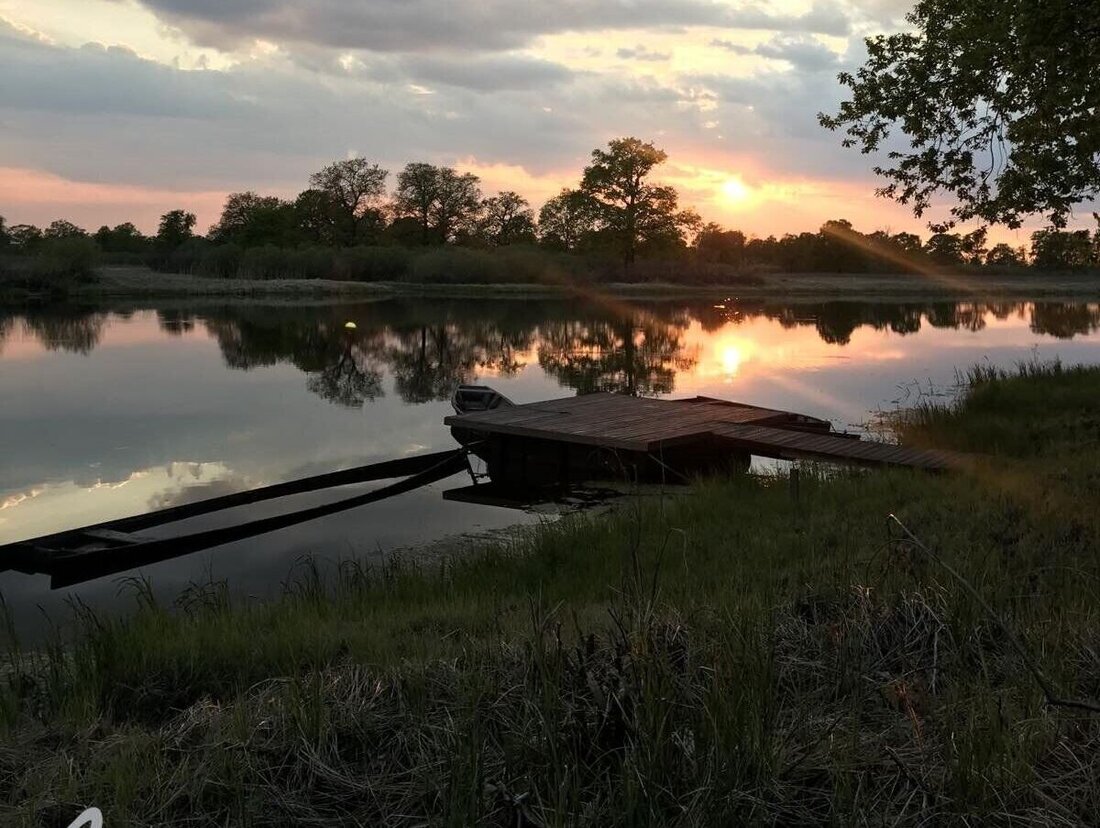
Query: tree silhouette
[
  {"x": 442, "y": 201},
  {"x": 997, "y": 103},
  {"x": 635, "y": 210},
  {"x": 507, "y": 218},
  {"x": 355, "y": 186}
]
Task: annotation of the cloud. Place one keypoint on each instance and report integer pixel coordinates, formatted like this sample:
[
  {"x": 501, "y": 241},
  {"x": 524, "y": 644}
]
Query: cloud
[
  {"x": 97, "y": 127},
  {"x": 486, "y": 73},
  {"x": 640, "y": 52},
  {"x": 101, "y": 80},
  {"x": 804, "y": 52},
  {"x": 730, "y": 46},
  {"x": 446, "y": 25}
]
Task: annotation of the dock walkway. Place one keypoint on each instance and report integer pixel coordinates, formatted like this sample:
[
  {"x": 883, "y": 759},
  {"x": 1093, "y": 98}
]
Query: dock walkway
[{"x": 650, "y": 426}]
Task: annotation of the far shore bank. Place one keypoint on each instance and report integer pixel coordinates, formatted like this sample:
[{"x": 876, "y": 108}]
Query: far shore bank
[{"x": 140, "y": 282}]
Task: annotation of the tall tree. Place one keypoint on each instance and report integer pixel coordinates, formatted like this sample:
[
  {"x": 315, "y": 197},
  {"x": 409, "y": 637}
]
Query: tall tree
[
  {"x": 123, "y": 238},
  {"x": 249, "y": 219},
  {"x": 999, "y": 102},
  {"x": 176, "y": 227},
  {"x": 715, "y": 244},
  {"x": 5, "y": 239},
  {"x": 320, "y": 218},
  {"x": 441, "y": 200},
  {"x": 61, "y": 229},
  {"x": 568, "y": 219},
  {"x": 457, "y": 201},
  {"x": 633, "y": 208},
  {"x": 24, "y": 237},
  {"x": 415, "y": 195},
  {"x": 973, "y": 247},
  {"x": 355, "y": 184},
  {"x": 1004, "y": 255},
  {"x": 507, "y": 218},
  {"x": 944, "y": 248},
  {"x": 1061, "y": 249}
]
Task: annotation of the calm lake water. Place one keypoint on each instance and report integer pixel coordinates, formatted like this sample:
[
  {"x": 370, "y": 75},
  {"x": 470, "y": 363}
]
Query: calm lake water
[{"x": 109, "y": 411}]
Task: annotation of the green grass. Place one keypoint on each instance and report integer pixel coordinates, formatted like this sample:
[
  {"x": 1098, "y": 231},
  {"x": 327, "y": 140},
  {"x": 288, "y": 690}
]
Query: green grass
[{"x": 749, "y": 652}]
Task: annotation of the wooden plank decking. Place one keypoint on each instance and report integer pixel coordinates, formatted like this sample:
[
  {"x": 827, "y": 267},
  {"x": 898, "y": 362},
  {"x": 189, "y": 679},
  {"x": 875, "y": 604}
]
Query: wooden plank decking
[{"x": 644, "y": 425}]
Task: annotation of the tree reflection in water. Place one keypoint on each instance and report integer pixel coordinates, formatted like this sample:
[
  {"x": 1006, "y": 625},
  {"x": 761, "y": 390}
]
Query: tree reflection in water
[
  {"x": 428, "y": 362},
  {"x": 63, "y": 328},
  {"x": 429, "y": 347},
  {"x": 636, "y": 354},
  {"x": 175, "y": 322},
  {"x": 341, "y": 365}
]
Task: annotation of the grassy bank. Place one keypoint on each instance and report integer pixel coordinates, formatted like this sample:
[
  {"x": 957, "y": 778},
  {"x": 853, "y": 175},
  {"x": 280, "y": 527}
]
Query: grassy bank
[
  {"x": 753, "y": 651},
  {"x": 141, "y": 282}
]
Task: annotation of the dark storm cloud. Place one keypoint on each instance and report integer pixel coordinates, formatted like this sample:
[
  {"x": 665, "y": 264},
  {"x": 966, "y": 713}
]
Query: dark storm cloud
[{"x": 482, "y": 25}]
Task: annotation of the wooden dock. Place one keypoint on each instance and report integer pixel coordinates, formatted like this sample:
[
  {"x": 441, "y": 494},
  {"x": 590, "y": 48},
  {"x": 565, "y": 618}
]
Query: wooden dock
[{"x": 570, "y": 432}]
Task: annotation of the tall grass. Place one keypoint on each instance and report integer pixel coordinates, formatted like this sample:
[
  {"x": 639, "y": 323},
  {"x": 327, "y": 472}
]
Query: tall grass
[{"x": 746, "y": 653}]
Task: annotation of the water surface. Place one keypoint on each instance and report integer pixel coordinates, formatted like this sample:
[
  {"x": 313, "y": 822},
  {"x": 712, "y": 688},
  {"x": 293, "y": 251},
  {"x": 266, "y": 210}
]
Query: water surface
[{"x": 114, "y": 410}]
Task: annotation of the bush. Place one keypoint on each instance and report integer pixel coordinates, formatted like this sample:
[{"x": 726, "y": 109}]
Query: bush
[
  {"x": 267, "y": 262},
  {"x": 68, "y": 259},
  {"x": 184, "y": 259},
  {"x": 125, "y": 259},
  {"x": 222, "y": 261},
  {"x": 312, "y": 263},
  {"x": 372, "y": 264}
]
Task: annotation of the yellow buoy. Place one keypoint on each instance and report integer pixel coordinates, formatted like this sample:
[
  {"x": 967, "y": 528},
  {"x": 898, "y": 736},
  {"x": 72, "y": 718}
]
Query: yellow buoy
[{"x": 349, "y": 326}]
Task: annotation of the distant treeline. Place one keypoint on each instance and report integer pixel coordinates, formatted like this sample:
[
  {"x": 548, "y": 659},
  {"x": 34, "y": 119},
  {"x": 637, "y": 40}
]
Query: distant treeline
[{"x": 437, "y": 226}]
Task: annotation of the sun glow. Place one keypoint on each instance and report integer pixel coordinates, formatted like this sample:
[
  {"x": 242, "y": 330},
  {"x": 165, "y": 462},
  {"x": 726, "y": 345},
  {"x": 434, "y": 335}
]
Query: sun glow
[
  {"x": 731, "y": 358},
  {"x": 734, "y": 191}
]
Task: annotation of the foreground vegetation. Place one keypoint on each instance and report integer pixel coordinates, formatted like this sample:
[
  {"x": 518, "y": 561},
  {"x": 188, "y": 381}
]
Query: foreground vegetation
[{"x": 758, "y": 650}]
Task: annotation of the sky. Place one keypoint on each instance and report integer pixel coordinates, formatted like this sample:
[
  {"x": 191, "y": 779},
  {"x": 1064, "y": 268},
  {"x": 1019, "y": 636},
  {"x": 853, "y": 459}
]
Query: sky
[{"x": 119, "y": 110}]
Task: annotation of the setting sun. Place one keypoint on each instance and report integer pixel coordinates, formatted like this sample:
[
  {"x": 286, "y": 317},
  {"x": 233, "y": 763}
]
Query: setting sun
[{"x": 734, "y": 191}]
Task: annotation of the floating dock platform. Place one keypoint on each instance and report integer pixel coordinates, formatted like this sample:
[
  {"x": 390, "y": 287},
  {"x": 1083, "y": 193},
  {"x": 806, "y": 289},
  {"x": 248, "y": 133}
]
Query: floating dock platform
[{"x": 612, "y": 434}]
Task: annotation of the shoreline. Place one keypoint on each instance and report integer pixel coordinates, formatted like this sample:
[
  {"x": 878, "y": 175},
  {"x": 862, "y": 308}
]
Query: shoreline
[{"x": 142, "y": 283}]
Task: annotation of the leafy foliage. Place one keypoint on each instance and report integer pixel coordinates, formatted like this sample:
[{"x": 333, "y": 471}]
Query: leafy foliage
[
  {"x": 176, "y": 227},
  {"x": 634, "y": 210},
  {"x": 568, "y": 219},
  {"x": 507, "y": 218},
  {"x": 442, "y": 201},
  {"x": 999, "y": 101}
]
